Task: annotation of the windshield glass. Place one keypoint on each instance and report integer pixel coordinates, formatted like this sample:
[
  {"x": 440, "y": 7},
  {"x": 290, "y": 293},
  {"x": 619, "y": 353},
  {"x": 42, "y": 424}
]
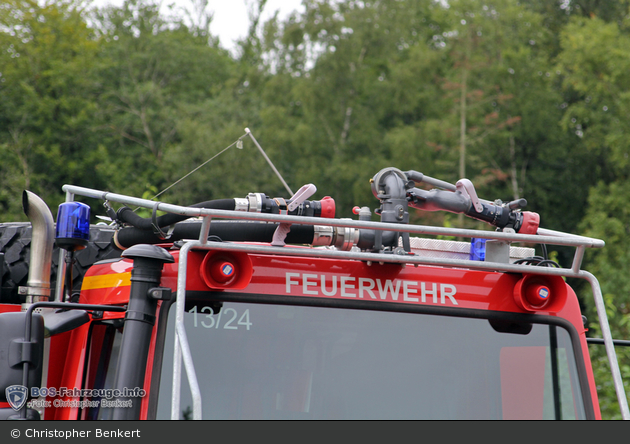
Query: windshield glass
[{"x": 257, "y": 361}]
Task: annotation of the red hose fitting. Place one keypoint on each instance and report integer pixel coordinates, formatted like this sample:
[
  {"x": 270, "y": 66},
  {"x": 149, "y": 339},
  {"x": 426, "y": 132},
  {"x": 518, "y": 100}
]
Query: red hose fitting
[
  {"x": 328, "y": 207},
  {"x": 530, "y": 224}
]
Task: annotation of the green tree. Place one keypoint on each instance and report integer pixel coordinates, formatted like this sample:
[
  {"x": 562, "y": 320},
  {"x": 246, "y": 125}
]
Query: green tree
[
  {"x": 209, "y": 126},
  {"x": 328, "y": 106},
  {"x": 48, "y": 92},
  {"x": 498, "y": 69},
  {"x": 153, "y": 70},
  {"x": 594, "y": 64},
  {"x": 356, "y": 87}
]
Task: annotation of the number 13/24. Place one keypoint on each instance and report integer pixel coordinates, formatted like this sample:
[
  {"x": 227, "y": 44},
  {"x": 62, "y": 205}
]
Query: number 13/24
[{"x": 229, "y": 316}]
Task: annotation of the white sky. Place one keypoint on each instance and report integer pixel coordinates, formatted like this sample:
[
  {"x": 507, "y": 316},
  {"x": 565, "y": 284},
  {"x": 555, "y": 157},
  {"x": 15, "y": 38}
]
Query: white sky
[{"x": 230, "y": 20}]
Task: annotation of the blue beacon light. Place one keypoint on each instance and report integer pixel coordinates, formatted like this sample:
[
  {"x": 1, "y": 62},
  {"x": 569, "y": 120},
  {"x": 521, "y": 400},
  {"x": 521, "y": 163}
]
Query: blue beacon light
[
  {"x": 73, "y": 226},
  {"x": 477, "y": 249}
]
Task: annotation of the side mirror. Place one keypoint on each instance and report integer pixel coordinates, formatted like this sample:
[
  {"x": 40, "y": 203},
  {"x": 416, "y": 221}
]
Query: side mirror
[
  {"x": 63, "y": 321},
  {"x": 16, "y": 350}
]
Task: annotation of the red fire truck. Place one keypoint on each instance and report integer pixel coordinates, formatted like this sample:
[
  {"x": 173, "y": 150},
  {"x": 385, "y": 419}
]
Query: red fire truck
[{"x": 263, "y": 308}]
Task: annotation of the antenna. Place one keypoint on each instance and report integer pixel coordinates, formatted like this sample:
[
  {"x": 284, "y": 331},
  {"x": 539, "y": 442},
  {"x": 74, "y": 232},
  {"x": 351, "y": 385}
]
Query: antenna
[
  {"x": 239, "y": 144},
  {"x": 247, "y": 131}
]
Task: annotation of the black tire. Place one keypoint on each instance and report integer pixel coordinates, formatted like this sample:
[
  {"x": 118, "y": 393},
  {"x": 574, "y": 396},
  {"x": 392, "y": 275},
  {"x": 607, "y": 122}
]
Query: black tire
[{"x": 15, "y": 241}]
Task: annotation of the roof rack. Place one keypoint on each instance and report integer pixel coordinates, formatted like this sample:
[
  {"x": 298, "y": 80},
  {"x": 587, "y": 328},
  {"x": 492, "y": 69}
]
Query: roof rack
[{"x": 182, "y": 349}]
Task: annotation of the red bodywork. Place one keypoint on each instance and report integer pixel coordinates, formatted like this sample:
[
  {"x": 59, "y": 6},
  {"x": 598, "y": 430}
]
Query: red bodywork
[{"x": 258, "y": 274}]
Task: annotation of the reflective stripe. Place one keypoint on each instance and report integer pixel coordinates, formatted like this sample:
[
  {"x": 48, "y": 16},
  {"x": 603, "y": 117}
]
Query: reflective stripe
[{"x": 107, "y": 281}]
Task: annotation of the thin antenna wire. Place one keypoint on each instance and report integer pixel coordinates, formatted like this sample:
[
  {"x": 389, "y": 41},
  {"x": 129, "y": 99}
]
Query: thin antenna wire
[
  {"x": 248, "y": 132},
  {"x": 239, "y": 144},
  {"x": 236, "y": 142}
]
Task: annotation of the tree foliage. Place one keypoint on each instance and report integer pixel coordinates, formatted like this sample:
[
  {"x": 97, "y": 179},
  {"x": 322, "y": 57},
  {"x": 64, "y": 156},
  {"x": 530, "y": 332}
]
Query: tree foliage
[
  {"x": 48, "y": 93},
  {"x": 594, "y": 63}
]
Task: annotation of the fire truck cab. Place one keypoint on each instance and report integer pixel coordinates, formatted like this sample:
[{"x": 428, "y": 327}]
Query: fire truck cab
[{"x": 262, "y": 308}]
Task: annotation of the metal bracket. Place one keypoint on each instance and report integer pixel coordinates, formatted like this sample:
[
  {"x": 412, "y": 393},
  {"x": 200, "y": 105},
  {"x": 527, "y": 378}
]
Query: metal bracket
[{"x": 160, "y": 293}]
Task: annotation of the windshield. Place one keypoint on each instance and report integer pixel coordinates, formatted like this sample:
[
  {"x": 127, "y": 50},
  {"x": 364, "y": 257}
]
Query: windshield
[{"x": 257, "y": 361}]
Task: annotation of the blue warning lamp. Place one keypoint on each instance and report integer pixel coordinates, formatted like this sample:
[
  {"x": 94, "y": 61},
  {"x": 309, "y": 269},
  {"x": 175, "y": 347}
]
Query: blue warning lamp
[
  {"x": 73, "y": 226},
  {"x": 477, "y": 249}
]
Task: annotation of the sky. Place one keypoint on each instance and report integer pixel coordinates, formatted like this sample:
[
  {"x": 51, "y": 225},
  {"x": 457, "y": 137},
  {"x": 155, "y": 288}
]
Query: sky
[{"x": 230, "y": 20}]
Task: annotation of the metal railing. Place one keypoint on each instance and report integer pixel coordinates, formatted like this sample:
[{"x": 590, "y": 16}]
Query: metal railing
[{"x": 544, "y": 236}]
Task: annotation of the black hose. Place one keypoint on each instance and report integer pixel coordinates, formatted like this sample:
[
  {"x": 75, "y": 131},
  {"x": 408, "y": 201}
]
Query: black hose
[
  {"x": 226, "y": 230},
  {"x": 126, "y": 214}
]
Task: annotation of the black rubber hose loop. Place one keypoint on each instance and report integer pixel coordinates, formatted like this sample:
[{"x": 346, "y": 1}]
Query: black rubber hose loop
[{"x": 227, "y": 231}]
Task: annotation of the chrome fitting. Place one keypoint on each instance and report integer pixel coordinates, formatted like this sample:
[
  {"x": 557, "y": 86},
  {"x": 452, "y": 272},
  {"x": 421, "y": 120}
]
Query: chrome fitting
[
  {"x": 346, "y": 238},
  {"x": 255, "y": 202},
  {"x": 241, "y": 204},
  {"x": 323, "y": 235}
]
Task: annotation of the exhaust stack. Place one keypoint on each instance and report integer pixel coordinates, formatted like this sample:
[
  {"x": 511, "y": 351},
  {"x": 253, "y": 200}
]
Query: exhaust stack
[{"x": 43, "y": 232}]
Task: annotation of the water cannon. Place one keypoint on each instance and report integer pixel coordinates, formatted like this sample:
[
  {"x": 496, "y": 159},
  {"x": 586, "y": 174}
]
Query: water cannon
[{"x": 462, "y": 198}]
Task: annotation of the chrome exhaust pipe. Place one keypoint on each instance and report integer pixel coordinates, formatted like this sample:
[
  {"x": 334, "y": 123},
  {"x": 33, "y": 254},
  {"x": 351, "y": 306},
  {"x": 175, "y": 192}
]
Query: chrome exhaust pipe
[{"x": 42, "y": 243}]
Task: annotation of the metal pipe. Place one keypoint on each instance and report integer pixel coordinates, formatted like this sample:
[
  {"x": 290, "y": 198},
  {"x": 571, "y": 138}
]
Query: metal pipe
[
  {"x": 406, "y": 228},
  {"x": 249, "y": 133},
  {"x": 181, "y": 342},
  {"x": 577, "y": 258},
  {"x": 378, "y": 257},
  {"x": 43, "y": 238},
  {"x": 190, "y": 371},
  {"x": 608, "y": 342}
]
